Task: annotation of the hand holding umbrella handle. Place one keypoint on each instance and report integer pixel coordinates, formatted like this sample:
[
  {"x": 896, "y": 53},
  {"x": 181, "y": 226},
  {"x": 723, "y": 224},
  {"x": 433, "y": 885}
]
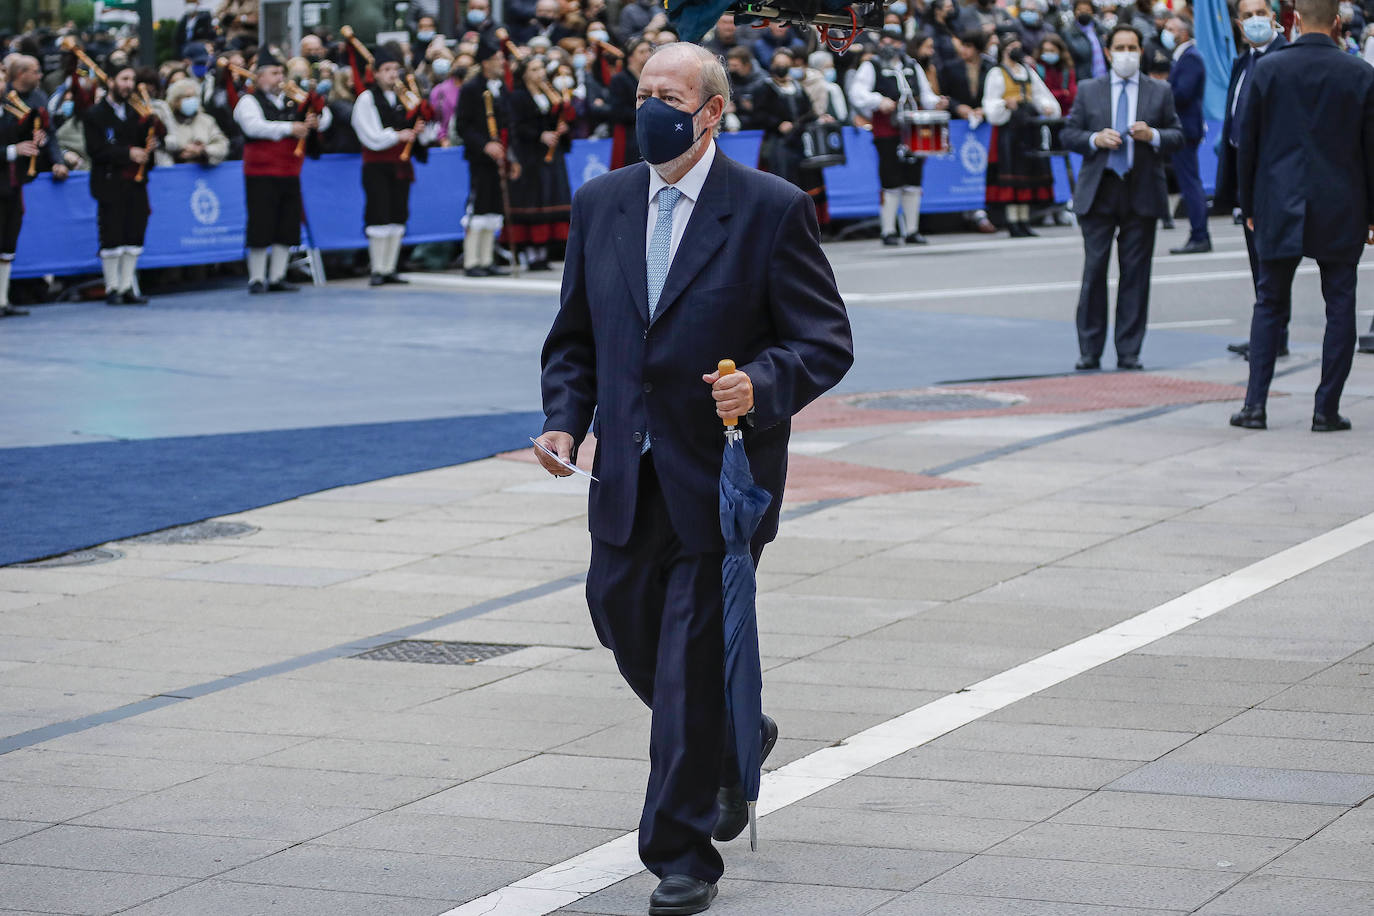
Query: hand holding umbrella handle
[{"x": 727, "y": 367}]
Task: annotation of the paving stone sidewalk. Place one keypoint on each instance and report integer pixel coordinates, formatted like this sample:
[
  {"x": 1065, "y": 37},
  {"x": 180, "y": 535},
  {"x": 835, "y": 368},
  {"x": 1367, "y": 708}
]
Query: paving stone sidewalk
[{"x": 1222, "y": 770}]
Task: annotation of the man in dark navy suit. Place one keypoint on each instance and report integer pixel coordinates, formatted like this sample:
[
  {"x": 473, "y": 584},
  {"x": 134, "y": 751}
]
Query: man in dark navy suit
[
  {"x": 1305, "y": 177},
  {"x": 670, "y": 268},
  {"x": 1188, "y": 80},
  {"x": 1262, "y": 35},
  {"x": 1122, "y": 125}
]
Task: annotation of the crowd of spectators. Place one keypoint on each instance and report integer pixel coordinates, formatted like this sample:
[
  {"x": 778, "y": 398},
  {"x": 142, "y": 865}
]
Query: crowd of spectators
[{"x": 592, "y": 51}]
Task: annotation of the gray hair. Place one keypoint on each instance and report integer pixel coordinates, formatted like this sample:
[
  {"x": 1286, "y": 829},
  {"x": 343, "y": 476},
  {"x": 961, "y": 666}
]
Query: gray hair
[
  {"x": 1187, "y": 26},
  {"x": 712, "y": 80}
]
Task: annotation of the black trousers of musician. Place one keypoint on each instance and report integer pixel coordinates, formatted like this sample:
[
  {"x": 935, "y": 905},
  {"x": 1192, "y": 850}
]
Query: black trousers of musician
[
  {"x": 388, "y": 196},
  {"x": 11, "y": 218},
  {"x": 122, "y": 214},
  {"x": 1184, "y": 161},
  {"x": 1254, "y": 277},
  {"x": 1272, "y": 312},
  {"x": 900, "y": 181},
  {"x": 485, "y": 213},
  {"x": 657, "y": 607},
  {"x": 1112, "y": 218},
  {"x": 274, "y": 210}
]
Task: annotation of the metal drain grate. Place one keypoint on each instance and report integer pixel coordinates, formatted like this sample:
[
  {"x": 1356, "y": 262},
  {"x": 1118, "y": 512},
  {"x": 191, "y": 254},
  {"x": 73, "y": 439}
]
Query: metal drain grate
[
  {"x": 437, "y": 652},
  {"x": 86, "y": 557},
  {"x": 198, "y": 531},
  {"x": 952, "y": 400}
]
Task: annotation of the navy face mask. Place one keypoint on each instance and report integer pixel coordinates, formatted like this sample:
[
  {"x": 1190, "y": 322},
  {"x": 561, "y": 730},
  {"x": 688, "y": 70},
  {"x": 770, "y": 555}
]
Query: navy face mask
[{"x": 664, "y": 132}]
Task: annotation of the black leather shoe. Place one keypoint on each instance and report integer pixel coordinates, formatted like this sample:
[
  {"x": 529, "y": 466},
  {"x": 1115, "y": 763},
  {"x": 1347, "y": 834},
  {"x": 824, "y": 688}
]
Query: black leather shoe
[
  {"x": 376, "y": 280},
  {"x": 1250, "y": 418},
  {"x": 1329, "y": 423},
  {"x": 257, "y": 288},
  {"x": 540, "y": 265},
  {"x": 916, "y": 238},
  {"x": 1027, "y": 232},
  {"x": 732, "y": 809},
  {"x": 478, "y": 272},
  {"x": 1017, "y": 230},
  {"x": 1166, "y": 223},
  {"x": 131, "y": 299},
  {"x": 281, "y": 286},
  {"x": 395, "y": 279},
  {"x": 1241, "y": 348},
  {"x": 892, "y": 240},
  {"x": 1086, "y": 363},
  {"x": 10, "y": 311},
  {"x": 1192, "y": 247},
  {"x": 1129, "y": 363},
  {"x": 114, "y": 297},
  {"x": 679, "y": 895}
]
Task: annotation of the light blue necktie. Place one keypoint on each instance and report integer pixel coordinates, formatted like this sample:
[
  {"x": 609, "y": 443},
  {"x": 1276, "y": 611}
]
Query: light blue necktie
[
  {"x": 1119, "y": 160},
  {"x": 660, "y": 255}
]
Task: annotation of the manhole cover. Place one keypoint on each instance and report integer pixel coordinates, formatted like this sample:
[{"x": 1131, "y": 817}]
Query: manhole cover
[
  {"x": 75, "y": 558},
  {"x": 947, "y": 400},
  {"x": 189, "y": 534},
  {"x": 436, "y": 652}
]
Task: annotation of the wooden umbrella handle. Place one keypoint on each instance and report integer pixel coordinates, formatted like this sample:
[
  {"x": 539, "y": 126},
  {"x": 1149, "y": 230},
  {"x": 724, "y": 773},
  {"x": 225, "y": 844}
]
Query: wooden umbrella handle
[{"x": 727, "y": 367}]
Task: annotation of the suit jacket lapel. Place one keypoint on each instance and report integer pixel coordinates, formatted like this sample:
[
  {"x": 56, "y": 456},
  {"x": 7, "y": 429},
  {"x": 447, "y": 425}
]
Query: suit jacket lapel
[
  {"x": 631, "y": 227},
  {"x": 704, "y": 236}
]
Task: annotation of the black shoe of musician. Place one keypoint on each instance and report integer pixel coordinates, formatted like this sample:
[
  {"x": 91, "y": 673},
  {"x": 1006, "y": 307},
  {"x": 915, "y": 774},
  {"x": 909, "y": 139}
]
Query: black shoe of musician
[
  {"x": 10, "y": 311},
  {"x": 892, "y": 241},
  {"x": 1166, "y": 223},
  {"x": 1193, "y": 247},
  {"x": 1251, "y": 418},
  {"x": 131, "y": 299},
  {"x": 281, "y": 286},
  {"x": 394, "y": 278},
  {"x": 1329, "y": 423},
  {"x": 478, "y": 272},
  {"x": 681, "y": 895},
  {"x": 257, "y": 288},
  {"x": 540, "y": 265},
  {"x": 1028, "y": 232},
  {"x": 732, "y": 808},
  {"x": 114, "y": 297},
  {"x": 916, "y": 238},
  {"x": 376, "y": 280},
  {"x": 1086, "y": 363},
  {"x": 1129, "y": 363}
]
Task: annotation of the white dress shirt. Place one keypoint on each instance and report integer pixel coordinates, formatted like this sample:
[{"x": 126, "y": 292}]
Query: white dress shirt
[
  {"x": 865, "y": 100},
  {"x": 1132, "y": 89},
  {"x": 254, "y": 124},
  {"x": 1254, "y": 53},
  {"x": 995, "y": 104},
  {"x": 690, "y": 185}
]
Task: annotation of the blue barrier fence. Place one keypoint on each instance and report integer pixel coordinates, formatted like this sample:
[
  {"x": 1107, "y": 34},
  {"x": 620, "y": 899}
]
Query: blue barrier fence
[{"x": 199, "y": 218}]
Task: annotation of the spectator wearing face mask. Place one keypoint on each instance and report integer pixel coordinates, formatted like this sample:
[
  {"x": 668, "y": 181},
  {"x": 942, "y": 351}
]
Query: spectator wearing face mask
[
  {"x": 723, "y": 37},
  {"x": 987, "y": 16},
  {"x": 819, "y": 81},
  {"x": 192, "y": 135},
  {"x": 639, "y": 16},
  {"x": 1031, "y": 22},
  {"x": 783, "y": 110},
  {"x": 777, "y": 36},
  {"x": 1014, "y": 97},
  {"x": 1188, "y": 80},
  {"x": 1086, "y": 39},
  {"x": 444, "y": 96},
  {"x": 941, "y": 19},
  {"x": 624, "y": 90},
  {"x": 1056, "y": 66}
]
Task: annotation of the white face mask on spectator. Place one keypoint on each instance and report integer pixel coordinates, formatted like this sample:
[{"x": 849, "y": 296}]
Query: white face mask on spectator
[
  {"x": 1125, "y": 64},
  {"x": 563, "y": 83}
]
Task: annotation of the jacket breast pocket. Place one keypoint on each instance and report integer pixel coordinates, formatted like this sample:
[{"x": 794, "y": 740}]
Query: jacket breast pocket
[{"x": 716, "y": 303}]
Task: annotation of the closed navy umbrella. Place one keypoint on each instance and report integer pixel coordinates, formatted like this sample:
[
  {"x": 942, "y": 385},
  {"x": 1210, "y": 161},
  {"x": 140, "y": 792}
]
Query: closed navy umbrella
[{"x": 742, "y": 505}]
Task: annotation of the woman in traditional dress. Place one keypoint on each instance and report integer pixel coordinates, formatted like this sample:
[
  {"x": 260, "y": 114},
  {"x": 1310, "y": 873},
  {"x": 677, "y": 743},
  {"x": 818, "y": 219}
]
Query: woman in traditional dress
[
  {"x": 623, "y": 98},
  {"x": 540, "y": 199},
  {"x": 1014, "y": 97},
  {"x": 784, "y": 111}
]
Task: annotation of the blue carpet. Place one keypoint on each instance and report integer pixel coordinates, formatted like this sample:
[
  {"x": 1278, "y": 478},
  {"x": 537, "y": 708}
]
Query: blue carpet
[{"x": 58, "y": 498}]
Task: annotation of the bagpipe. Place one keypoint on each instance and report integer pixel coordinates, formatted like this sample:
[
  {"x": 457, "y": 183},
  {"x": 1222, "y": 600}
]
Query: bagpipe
[
  {"x": 419, "y": 111},
  {"x": 561, "y": 105},
  {"x": 142, "y": 104},
  {"x": 308, "y": 101},
  {"x": 35, "y": 120},
  {"x": 839, "y": 22},
  {"x": 77, "y": 65}
]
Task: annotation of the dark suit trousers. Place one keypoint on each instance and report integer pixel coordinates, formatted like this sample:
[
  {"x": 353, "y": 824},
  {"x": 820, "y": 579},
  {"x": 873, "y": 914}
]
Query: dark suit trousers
[
  {"x": 658, "y": 608},
  {"x": 1254, "y": 278},
  {"x": 1272, "y": 312},
  {"x": 1111, "y": 217},
  {"x": 1186, "y": 171}
]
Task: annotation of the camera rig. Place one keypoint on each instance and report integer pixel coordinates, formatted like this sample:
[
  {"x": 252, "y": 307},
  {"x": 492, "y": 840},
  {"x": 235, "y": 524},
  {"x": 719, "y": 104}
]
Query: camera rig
[{"x": 839, "y": 22}]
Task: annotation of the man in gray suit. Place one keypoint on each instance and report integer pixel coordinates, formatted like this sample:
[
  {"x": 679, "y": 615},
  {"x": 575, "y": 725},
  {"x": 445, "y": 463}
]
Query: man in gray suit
[{"x": 1124, "y": 127}]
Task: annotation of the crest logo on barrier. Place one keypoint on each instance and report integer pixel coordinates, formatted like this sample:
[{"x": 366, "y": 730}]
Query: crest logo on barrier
[
  {"x": 593, "y": 168},
  {"x": 973, "y": 156},
  {"x": 205, "y": 204}
]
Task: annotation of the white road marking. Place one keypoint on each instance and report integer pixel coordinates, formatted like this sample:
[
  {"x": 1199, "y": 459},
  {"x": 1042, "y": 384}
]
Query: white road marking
[
  {"x": 1200, "y": 323},
  {"x": 895, "y": 259},
  {"x": 567, "y": 882},
  {"x": 496, "y": 285}
]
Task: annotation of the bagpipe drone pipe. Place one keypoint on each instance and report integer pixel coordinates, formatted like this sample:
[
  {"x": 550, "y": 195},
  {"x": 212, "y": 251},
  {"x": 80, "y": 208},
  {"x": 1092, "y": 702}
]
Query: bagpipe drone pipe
[{"x": 839, "y": 22}]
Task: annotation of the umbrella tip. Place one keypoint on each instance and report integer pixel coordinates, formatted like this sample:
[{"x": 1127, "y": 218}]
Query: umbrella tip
[{"x": 753, "y": 829}]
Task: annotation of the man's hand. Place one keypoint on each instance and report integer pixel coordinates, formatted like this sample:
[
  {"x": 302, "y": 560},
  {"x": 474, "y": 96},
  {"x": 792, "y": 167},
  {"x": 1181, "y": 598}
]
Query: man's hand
[
  {"x": 1012, "y": 104},
  {"x": 405, "y": 136},
  {"x": 785, "y": 127},
  {"x": 312, "y": 121},
  {"x": 298, "y": 129},
  {"x": 887, "y": 106},
  {"x": 59, "y": 172},
  {"x": 26, "y": 148},
  {"x": 561, "y": 444},
  {"x": 138, "y": 155},
  {"x": 1142, "y": 132},
  {"x": 1108, "y": 139},
  {"x": 734, "y": 394},
  {"x": 1048, "y": 110},
  {"x": 496, "y": 151},
  {"x": 549, "y": 138},
  {"x": 1370, "y": 239},
  {"x": 1250, "y": 224}
]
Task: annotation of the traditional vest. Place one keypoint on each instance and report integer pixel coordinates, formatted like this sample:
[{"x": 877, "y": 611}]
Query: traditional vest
[
  {"x": 886, "y": 84},
  {"x": 273, "y": 158},
  {"x": 1014, "y": 90},
  {"x": 393, "y": 116}
]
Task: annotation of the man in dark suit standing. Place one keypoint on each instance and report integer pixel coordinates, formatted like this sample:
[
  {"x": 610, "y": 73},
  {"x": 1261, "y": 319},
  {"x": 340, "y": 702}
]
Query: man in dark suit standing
[
  {"x": 1188, "y": 80},
  {"x": 670, "y": 268},
  {"x": 1122, "y": 125},
  {"x": 1305, "y": 177},
  {"x": 1262, "y": 35},
  {"x": 195, "y": 25}
]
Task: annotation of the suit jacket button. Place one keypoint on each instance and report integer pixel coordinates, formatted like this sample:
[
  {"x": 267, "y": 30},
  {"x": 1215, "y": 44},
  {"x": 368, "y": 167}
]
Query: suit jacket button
[
  {"x": 648, "y": 387},
  {"x": 646, "y": 333},
  {"x": 638, "y": 437}
]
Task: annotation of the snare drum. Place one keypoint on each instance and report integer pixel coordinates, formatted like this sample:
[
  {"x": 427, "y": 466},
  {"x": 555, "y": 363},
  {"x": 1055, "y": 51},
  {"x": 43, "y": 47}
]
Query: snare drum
[
  {"x": 929, "y": 133},
  {"x": 1042, "y": 135},
  {"x": 822, "y": 145}
]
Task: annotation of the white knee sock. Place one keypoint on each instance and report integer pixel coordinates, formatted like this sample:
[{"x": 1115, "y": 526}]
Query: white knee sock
[
  {"x": 257, "y": 265},
  {"x": 6, "y": 263},
  {"x": 277, "y": 257},
  {"x": 109, "y": 265},
  {"x": 888, "y": 217},
  {"x": 393, "y": 251},
  {"x": 488, "y": 255},
  {"x": 911, "y": 209},
  {"x": 377, "y": 239},
  {"x": 128, "y": 265}
]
